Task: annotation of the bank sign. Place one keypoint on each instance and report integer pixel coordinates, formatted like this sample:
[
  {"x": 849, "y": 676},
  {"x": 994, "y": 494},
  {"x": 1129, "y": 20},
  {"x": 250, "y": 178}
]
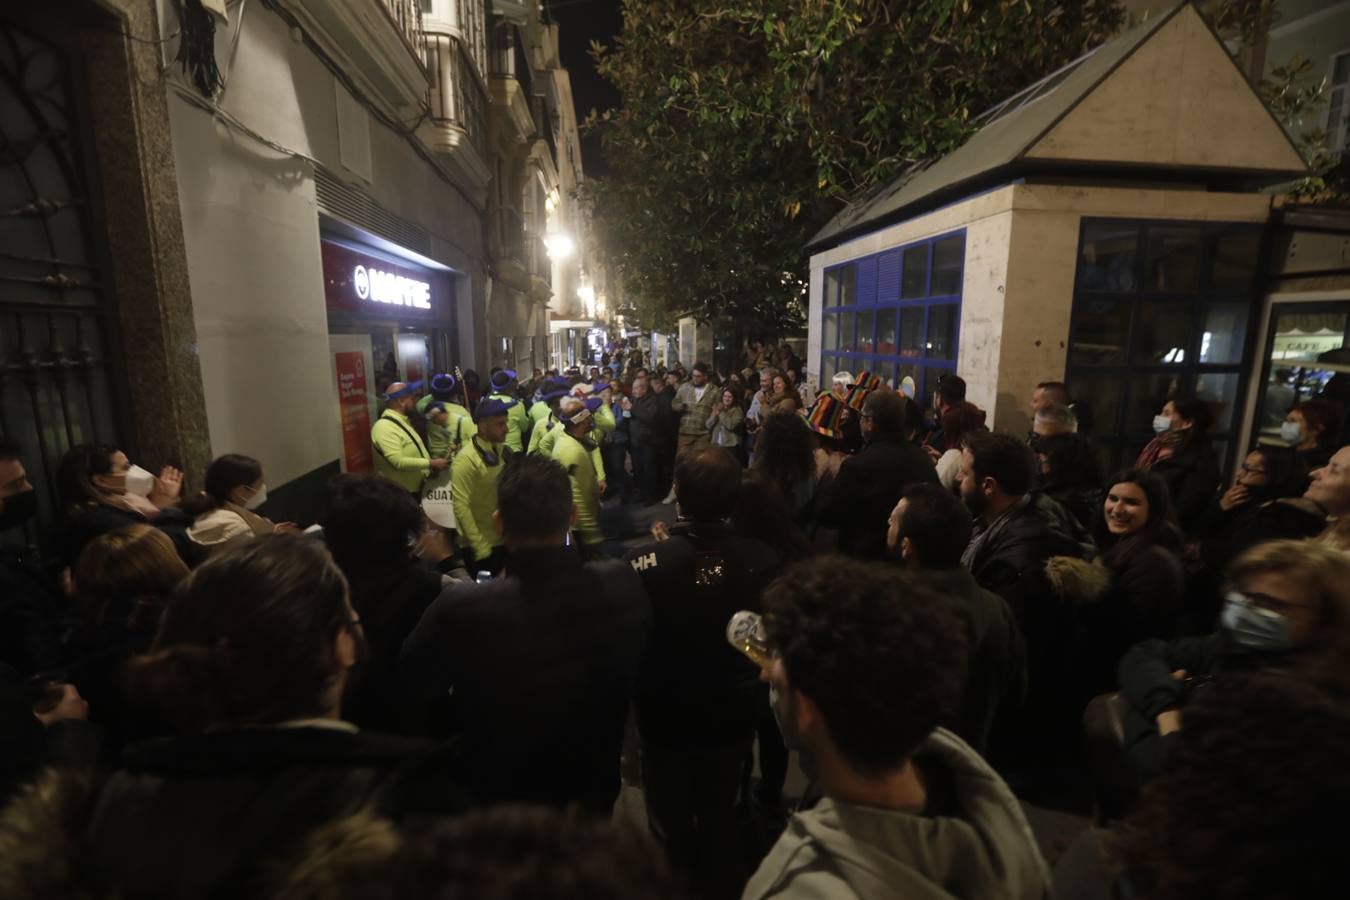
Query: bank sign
[{"x": 360, "y": 283}]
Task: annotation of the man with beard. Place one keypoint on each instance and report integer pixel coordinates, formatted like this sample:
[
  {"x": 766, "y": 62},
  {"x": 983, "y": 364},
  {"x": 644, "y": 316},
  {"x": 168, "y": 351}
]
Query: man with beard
[
  {"x": 1016, "y": 533},
  {"x": 929, "y": 528},
  {"x": 861, "y": 683},
  {"x": 400, "y": 454}
]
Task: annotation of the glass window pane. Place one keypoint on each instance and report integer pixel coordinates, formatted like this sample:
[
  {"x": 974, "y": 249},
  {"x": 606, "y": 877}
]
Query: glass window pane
[
  {"x": 828, "y": 366},
  {"x": 1162, "y": 332},
  {"x": 1340, "y": 74},
  {"x": 846, "y": 333},
  {"x": 947, "y": 257},
  {"x": 907, "y": 370},
  {"x": 1173, "y": 260},
  {"x": 886, "y": 372},
  {"x": 1148, "y": 395},
  {"x": 848, "y": 285},
  {"x": 1100, "y": 330},
  {"x": 1235, "y": 258},
  {"x": 865, "y": 332},
  {"x": 911, "y": 331},
  {"x": 830, "y": 295},
  {"x": 829, "y": 339},
  {"x": 1223, "y": 332},
  {"x": 943, "y": 322},
  {"x": 1220, "y": 391},
  {"x": 886, "y": 331},
  {"x": 914, "y": 272},
  {"x": 1103, "y": 393},
  {"x": 1107, "y": 260}
]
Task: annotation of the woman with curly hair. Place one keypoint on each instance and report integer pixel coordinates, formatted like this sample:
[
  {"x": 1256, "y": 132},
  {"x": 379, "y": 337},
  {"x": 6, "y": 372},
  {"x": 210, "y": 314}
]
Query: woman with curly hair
[{"x": 785, "y": 455}]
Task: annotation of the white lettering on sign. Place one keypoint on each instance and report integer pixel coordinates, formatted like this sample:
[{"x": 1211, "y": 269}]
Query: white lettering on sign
[{"x": 387, "y": 287}]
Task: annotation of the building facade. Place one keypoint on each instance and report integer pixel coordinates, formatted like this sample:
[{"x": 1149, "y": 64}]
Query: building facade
[
  {"x": 237, "y": 255},
  {"x": 1103, "y": 227}
]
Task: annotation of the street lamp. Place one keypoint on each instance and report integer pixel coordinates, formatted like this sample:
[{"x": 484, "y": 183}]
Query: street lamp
[{"x": 559, "y": 246}]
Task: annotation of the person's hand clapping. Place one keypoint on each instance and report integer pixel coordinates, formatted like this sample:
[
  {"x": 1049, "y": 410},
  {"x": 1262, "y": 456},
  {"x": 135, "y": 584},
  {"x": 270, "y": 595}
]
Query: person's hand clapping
[{"x": 168, "y": 488}]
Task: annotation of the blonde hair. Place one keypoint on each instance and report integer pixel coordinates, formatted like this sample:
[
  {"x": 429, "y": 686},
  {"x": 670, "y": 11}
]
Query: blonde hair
[
  {"x": 136, "y": 561},
  {"x": 1337, "y": 534},
  {"x": 1316, "y": 565}
]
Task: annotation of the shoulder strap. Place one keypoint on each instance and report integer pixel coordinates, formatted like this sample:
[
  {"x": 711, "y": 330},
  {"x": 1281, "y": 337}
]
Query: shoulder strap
[{"x": 404, "y": 428}]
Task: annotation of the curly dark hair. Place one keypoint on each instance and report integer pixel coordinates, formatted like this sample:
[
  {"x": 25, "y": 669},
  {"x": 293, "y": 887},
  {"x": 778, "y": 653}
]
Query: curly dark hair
[
  {"x": 785, "y": 450},
  {"x": 881, "y": 655},
  {"x": 367, "y": 521},
  {"x": 1255, "y": 781}
]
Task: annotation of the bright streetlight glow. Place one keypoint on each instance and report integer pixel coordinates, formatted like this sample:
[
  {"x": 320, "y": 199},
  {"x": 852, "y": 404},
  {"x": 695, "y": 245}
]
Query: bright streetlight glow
[{"x": 559, "y": 246}]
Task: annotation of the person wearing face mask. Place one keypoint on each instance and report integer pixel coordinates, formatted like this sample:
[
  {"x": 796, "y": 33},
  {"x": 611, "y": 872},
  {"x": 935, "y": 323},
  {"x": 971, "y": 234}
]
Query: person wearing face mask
[
  {"x": 1311, "y": 429},
  {"x": 400, "y": 454},
  {"x": 226, "y": 510},
  {"x": 1326, "y": 499},
  {"x": 1143, "y": 593},
  {"x": 1288, "y": 606},
  {"x": 1184, "y": 458},
  {"x": 102, "y": 491}
]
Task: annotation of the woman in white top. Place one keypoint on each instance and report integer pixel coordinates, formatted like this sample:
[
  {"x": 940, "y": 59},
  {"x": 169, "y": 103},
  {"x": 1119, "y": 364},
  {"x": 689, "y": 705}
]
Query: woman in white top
[{"x": 224, "y": 511}]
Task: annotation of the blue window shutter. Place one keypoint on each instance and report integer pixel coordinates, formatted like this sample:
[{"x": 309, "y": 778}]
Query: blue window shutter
[
  {"x": 867, "y": 281},
  {"x": 888, "y": 277}
]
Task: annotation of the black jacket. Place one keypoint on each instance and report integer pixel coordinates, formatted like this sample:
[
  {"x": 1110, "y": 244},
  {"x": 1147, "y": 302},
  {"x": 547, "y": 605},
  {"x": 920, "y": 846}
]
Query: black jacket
[
  {"x": 1144, "y": 602},
  {"x": 86, "y": 522},
  {"x": 652, "y": 424},
  {"x": 859, "y": 501},
  {"x": 542, "y": 662},
  {"x": 1082, "y": 501},
  {"x": 695, "y": 689},
  {"x": 998, "y": 674},
  {"x": 1192, "y": 476},
  {"x": 208, "y": 815},
  {"x": 390, "y": 601},
  {"x": 1292, "y": 519}
]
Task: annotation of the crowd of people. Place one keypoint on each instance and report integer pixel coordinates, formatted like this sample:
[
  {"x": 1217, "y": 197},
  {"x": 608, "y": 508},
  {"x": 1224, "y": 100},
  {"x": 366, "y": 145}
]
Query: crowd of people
[{"x": 944, "y": 623}]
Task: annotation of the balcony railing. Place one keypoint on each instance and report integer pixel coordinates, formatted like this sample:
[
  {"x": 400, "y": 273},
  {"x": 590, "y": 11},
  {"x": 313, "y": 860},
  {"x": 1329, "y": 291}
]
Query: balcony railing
[
  {"x": 457, "y": 96},
  {"x": 407, "y": 15},
  {"x": 543, "y": 126},
  {"x": 508, "y": 58}
]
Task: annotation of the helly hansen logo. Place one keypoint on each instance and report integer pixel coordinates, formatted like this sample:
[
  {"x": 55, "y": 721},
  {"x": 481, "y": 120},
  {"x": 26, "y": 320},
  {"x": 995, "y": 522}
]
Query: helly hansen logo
[{"x": 643, "y": 563}]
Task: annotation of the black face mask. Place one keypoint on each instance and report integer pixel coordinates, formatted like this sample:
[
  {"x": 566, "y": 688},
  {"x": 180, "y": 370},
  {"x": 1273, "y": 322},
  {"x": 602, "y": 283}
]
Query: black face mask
[{"x": 18, "y": 509}]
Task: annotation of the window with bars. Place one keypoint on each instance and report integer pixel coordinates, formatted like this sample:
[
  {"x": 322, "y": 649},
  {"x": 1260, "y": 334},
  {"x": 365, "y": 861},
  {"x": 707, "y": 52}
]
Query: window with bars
[{"x": 895, "y": 313}]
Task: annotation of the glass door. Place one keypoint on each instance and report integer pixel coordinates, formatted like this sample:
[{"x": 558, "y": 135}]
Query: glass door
[{"x": 1307, "y": 355}]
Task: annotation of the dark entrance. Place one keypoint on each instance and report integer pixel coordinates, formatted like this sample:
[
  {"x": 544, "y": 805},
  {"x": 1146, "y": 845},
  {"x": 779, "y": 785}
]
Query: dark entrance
[{"x": 62, "y": 380}]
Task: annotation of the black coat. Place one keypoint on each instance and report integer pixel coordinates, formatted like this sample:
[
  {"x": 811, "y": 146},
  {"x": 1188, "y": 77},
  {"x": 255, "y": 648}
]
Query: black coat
[
  {"x": 86, "y": 522},
  {"x": 998, "y": 666},
  {"x": 695, "y": 689},
  {"x": 202, "y": 816},
  {"x": 652, "y": 421},
  {"x": 1083, "y": 501},
  {"x": 542, "y": 662},
  {"x": 1277, "y": 520},
  {"x": 1192, "y": 477},
  {"x": 859, "y": 501}
]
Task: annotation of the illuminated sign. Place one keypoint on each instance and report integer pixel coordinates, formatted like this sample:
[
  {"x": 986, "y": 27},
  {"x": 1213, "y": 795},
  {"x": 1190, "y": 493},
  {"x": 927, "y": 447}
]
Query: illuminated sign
[{"x": 386, "y": 287}]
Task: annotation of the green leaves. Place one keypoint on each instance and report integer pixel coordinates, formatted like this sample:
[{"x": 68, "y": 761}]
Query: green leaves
[{"x": 746, "y": 124}]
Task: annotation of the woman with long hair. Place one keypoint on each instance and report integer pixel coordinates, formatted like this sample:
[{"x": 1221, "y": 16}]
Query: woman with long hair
[
  {"x": 1183, "y": 457},
  {"x": 1145, "y": 587},
  {"x": 101, "y": 491},
  {"x": 785, "y": 455}
]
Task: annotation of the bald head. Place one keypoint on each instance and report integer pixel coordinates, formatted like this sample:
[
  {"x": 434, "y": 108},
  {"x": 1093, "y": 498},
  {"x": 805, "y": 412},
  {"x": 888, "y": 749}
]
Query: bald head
[{"x": 400, "y": 398}]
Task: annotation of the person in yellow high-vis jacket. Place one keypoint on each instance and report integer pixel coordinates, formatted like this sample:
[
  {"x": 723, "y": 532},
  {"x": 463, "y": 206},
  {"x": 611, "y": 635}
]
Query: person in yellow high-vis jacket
[
  {"x": 400, "y": 454},
  {"x": 473, "y": 486},
  {"x": 517, "y": 419},
  {"x": 573, "y": 450}
]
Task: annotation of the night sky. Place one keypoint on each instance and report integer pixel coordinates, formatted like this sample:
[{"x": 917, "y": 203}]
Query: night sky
[{"x": 579, "y": 23}]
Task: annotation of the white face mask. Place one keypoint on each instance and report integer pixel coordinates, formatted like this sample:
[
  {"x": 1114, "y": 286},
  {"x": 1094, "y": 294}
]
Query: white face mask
[
  {"x": 1161, "y": 424},
  {"x": 258, "y": 499},
  {"x": 139, "y": 481},
  {"x": 1291, "y": 432}
]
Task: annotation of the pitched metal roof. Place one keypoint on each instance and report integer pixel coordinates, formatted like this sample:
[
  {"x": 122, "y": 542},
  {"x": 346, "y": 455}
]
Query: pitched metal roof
[{"x": 1007, "y": 132}]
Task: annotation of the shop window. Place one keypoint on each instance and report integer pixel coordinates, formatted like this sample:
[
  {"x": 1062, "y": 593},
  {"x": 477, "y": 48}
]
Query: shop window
[
  {"x": 1160, "y": 308},
  {"x": 910, "y": 321},
  {"x": 1307, "y": 355}
]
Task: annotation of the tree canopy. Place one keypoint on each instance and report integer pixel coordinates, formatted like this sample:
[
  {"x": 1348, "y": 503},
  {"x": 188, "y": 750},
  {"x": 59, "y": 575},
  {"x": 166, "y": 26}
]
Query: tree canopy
[{"x": 746, "y": 124}]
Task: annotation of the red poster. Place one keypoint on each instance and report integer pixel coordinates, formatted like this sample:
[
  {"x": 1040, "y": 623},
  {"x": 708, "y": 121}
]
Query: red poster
[{"x": 352, "y": 405}]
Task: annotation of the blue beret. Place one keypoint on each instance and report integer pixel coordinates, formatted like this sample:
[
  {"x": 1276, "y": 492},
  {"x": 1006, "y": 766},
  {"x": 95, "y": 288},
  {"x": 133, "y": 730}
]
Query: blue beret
[{"x": 492, "y": 406}]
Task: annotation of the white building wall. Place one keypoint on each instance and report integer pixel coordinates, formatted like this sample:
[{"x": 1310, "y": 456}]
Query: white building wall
[{"x": 251, "y": 229}]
